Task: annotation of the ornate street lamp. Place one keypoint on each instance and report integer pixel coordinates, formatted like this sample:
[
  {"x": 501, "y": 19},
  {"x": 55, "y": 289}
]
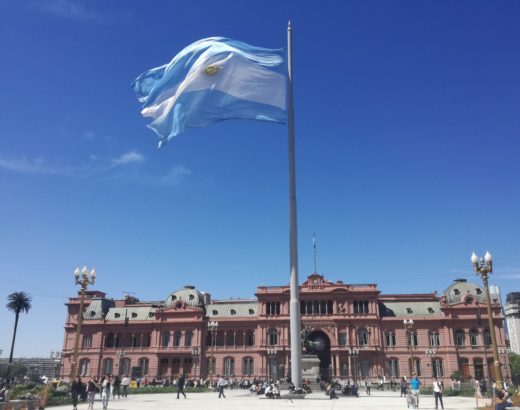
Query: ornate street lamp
[
  {"x": 431, "y": 353},
  {"x": 271, "y": 354},
  {"x": 56, "y": 358},
  {"x": 408, "y": 325},
  {"x": 121, "y": 356},
  {"x": 213, "y": 329},
  {"x": 195, "y": 354},
  {"x": 504, "y": 353},
  {"x": 354, "y": 353},
  {"x": 83, "y": 278},
  {"x": 484, "y": 268}
]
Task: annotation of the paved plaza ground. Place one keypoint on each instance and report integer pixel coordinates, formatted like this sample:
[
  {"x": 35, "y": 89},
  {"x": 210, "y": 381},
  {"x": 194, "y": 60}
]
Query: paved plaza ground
[{"x": 242, "y": 399}]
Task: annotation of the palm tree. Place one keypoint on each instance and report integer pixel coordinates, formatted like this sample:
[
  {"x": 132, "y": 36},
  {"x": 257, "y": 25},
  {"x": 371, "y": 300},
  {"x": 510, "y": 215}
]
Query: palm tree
[{"x": 17, "y": 302}]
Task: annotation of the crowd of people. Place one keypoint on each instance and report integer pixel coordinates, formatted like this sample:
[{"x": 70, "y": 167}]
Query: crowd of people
[{"x": 112, "y": 387}]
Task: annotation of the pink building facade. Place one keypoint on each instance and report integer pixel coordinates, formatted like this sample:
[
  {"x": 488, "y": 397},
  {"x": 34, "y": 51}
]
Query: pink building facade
[{"x": 357, "y": 330}]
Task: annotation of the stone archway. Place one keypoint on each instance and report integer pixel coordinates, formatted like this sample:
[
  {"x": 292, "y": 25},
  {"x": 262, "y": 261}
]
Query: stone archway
[{"x": 318, "y": 343}]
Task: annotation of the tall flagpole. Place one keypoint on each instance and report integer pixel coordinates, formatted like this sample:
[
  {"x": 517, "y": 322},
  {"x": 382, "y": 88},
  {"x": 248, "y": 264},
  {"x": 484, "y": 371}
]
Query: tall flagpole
[{"x": 294, "y": 305}]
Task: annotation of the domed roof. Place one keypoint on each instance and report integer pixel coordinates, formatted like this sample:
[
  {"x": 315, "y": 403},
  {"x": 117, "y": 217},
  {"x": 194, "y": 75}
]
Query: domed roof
[
  {"x": 188, "y": 295},
  {"x": 460, "y": 289}
]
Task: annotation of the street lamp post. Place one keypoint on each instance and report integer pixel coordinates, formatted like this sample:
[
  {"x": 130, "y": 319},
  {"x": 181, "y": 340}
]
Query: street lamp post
[
  {"x": 408, "y": 325},
  {"x": 56, "y": 358},
  {"x": 504, "y": 353},
  {"x": 213, "y": 328},
  {"x": 121, "y": 356},
  {"x": 431, "y": 353},
  {"x": 271, "y": 354},
  {"x": 83, "y": 278},
  {"x": 195, "y": 354},
  {"x": 484, "y": 268},
  {"x": 354, "y": 353}
]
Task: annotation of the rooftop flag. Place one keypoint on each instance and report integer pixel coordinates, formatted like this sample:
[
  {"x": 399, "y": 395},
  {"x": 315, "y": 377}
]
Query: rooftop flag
[{"x": 212, "y": 80}]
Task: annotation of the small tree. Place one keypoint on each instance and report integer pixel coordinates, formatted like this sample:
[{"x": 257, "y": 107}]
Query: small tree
[
  {"x": 456, "y": 376},
  {"x": 514, "y": 363},
  {"x": 17, "y": 370},
  {"x": 18, "y": 302}
]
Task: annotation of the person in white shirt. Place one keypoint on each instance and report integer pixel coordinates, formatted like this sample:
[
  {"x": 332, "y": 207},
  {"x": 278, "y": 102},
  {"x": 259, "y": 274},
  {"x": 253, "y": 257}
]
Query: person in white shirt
[
  {"x": 220, "y": 386},
  {"x": 437, "y": 390},
  {"x": 125, "y": 382}
]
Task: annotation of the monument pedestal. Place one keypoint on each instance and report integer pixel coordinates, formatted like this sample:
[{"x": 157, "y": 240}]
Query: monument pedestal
[{"x": 310, "y": 366}]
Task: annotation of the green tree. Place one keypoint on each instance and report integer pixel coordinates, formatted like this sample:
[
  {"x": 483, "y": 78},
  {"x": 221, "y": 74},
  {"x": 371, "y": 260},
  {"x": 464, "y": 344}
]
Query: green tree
[
  {"x": 17, "y": 370},
  {"x": 18, "y": 302},
  {"x": 514, "y": 363}
]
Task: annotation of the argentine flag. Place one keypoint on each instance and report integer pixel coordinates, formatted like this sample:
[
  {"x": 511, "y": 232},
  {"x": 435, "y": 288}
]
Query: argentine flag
[{"x": 212, "y": 80}]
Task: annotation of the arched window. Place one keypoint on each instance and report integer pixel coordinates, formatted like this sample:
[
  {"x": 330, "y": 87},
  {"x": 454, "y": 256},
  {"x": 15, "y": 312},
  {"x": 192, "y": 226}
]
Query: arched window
[
  {"x": 117, "y": 340},
  {"x": 250, "y": 338},
  {"x": 166, "y": 339},
  {"x": 412, "y": 339},
  {"x": 177, "y": 338},
  {"x": 146, "y": 339},
  {"x": 487, "y": 337},
  {"x": 84, "y": 367},
  {"x": 87, "y": 341},
  {"x": 390, "y": 339},
  {"x": 109, "y": 340},
  {"x": 188, "y": 338},
  {"x": 272, "y": 337},
  {"x": 416, "y": 369},
  {"x": 393, "y": 367},
  {"x": 473, "y": 337},
  {"x": 230, "y": 339},
  {"x": 108, "y": 366},
  {"x": 363, "y": 337},
  {"x": 365, "y": 367},
  {"x": 459, "y": 338},
  {"x": 464, "y": 367},
  {"x": 143, "y": 365},
  {"x": 124, "y": 367},
  {"x": 437, "y": 368},
  {"x": 248, "y": 366},
  {"x": 323, "y": 307},
  {"x": 435, "y": 339},
  {"x": 478, "y": 365},
  {"x": 211, "y": 365},
  {"x": 229, "y": 366}
]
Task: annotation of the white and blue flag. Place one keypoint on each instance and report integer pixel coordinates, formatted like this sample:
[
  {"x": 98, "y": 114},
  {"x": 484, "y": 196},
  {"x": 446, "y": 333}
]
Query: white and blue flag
[{"x": 212, "y": 80}]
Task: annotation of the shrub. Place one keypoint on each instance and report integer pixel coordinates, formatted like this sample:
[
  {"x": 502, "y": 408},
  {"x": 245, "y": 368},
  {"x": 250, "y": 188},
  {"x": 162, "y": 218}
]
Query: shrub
[{"x": 457, "y": 376}]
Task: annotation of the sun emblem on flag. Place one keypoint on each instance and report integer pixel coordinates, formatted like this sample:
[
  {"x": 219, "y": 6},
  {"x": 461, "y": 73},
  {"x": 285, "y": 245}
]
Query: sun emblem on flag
[{"x": 212, "y": 69}]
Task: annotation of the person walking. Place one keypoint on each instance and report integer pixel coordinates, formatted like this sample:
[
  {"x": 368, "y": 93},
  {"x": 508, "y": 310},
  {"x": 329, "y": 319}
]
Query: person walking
[
  {"x": 415, "y": 386},
  {"x": 91, "y": 393},
  {"x": 105, "y": 391},
  {"x": 437, "y": 390},
  {"x": 403, "y": 386},
  {"x": 220, "y": 387},
  {"x": 76, "y": 390},
  {"x": 180, "y": 386},
  {"x": 125, "y": 382},
  {"x": 117, "y": 388},
  {"x": 367, "y": 387}
]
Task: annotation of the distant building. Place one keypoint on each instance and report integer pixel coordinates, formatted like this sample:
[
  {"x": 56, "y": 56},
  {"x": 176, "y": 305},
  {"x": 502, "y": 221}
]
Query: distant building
[
  {"x": 39, "y": 366},
  {"x": 512, "y": 313},
  {"x": 163, "y": 339}
]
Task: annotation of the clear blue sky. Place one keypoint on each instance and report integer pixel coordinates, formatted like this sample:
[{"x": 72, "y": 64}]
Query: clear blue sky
[{"x": 407, "y": 126}]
